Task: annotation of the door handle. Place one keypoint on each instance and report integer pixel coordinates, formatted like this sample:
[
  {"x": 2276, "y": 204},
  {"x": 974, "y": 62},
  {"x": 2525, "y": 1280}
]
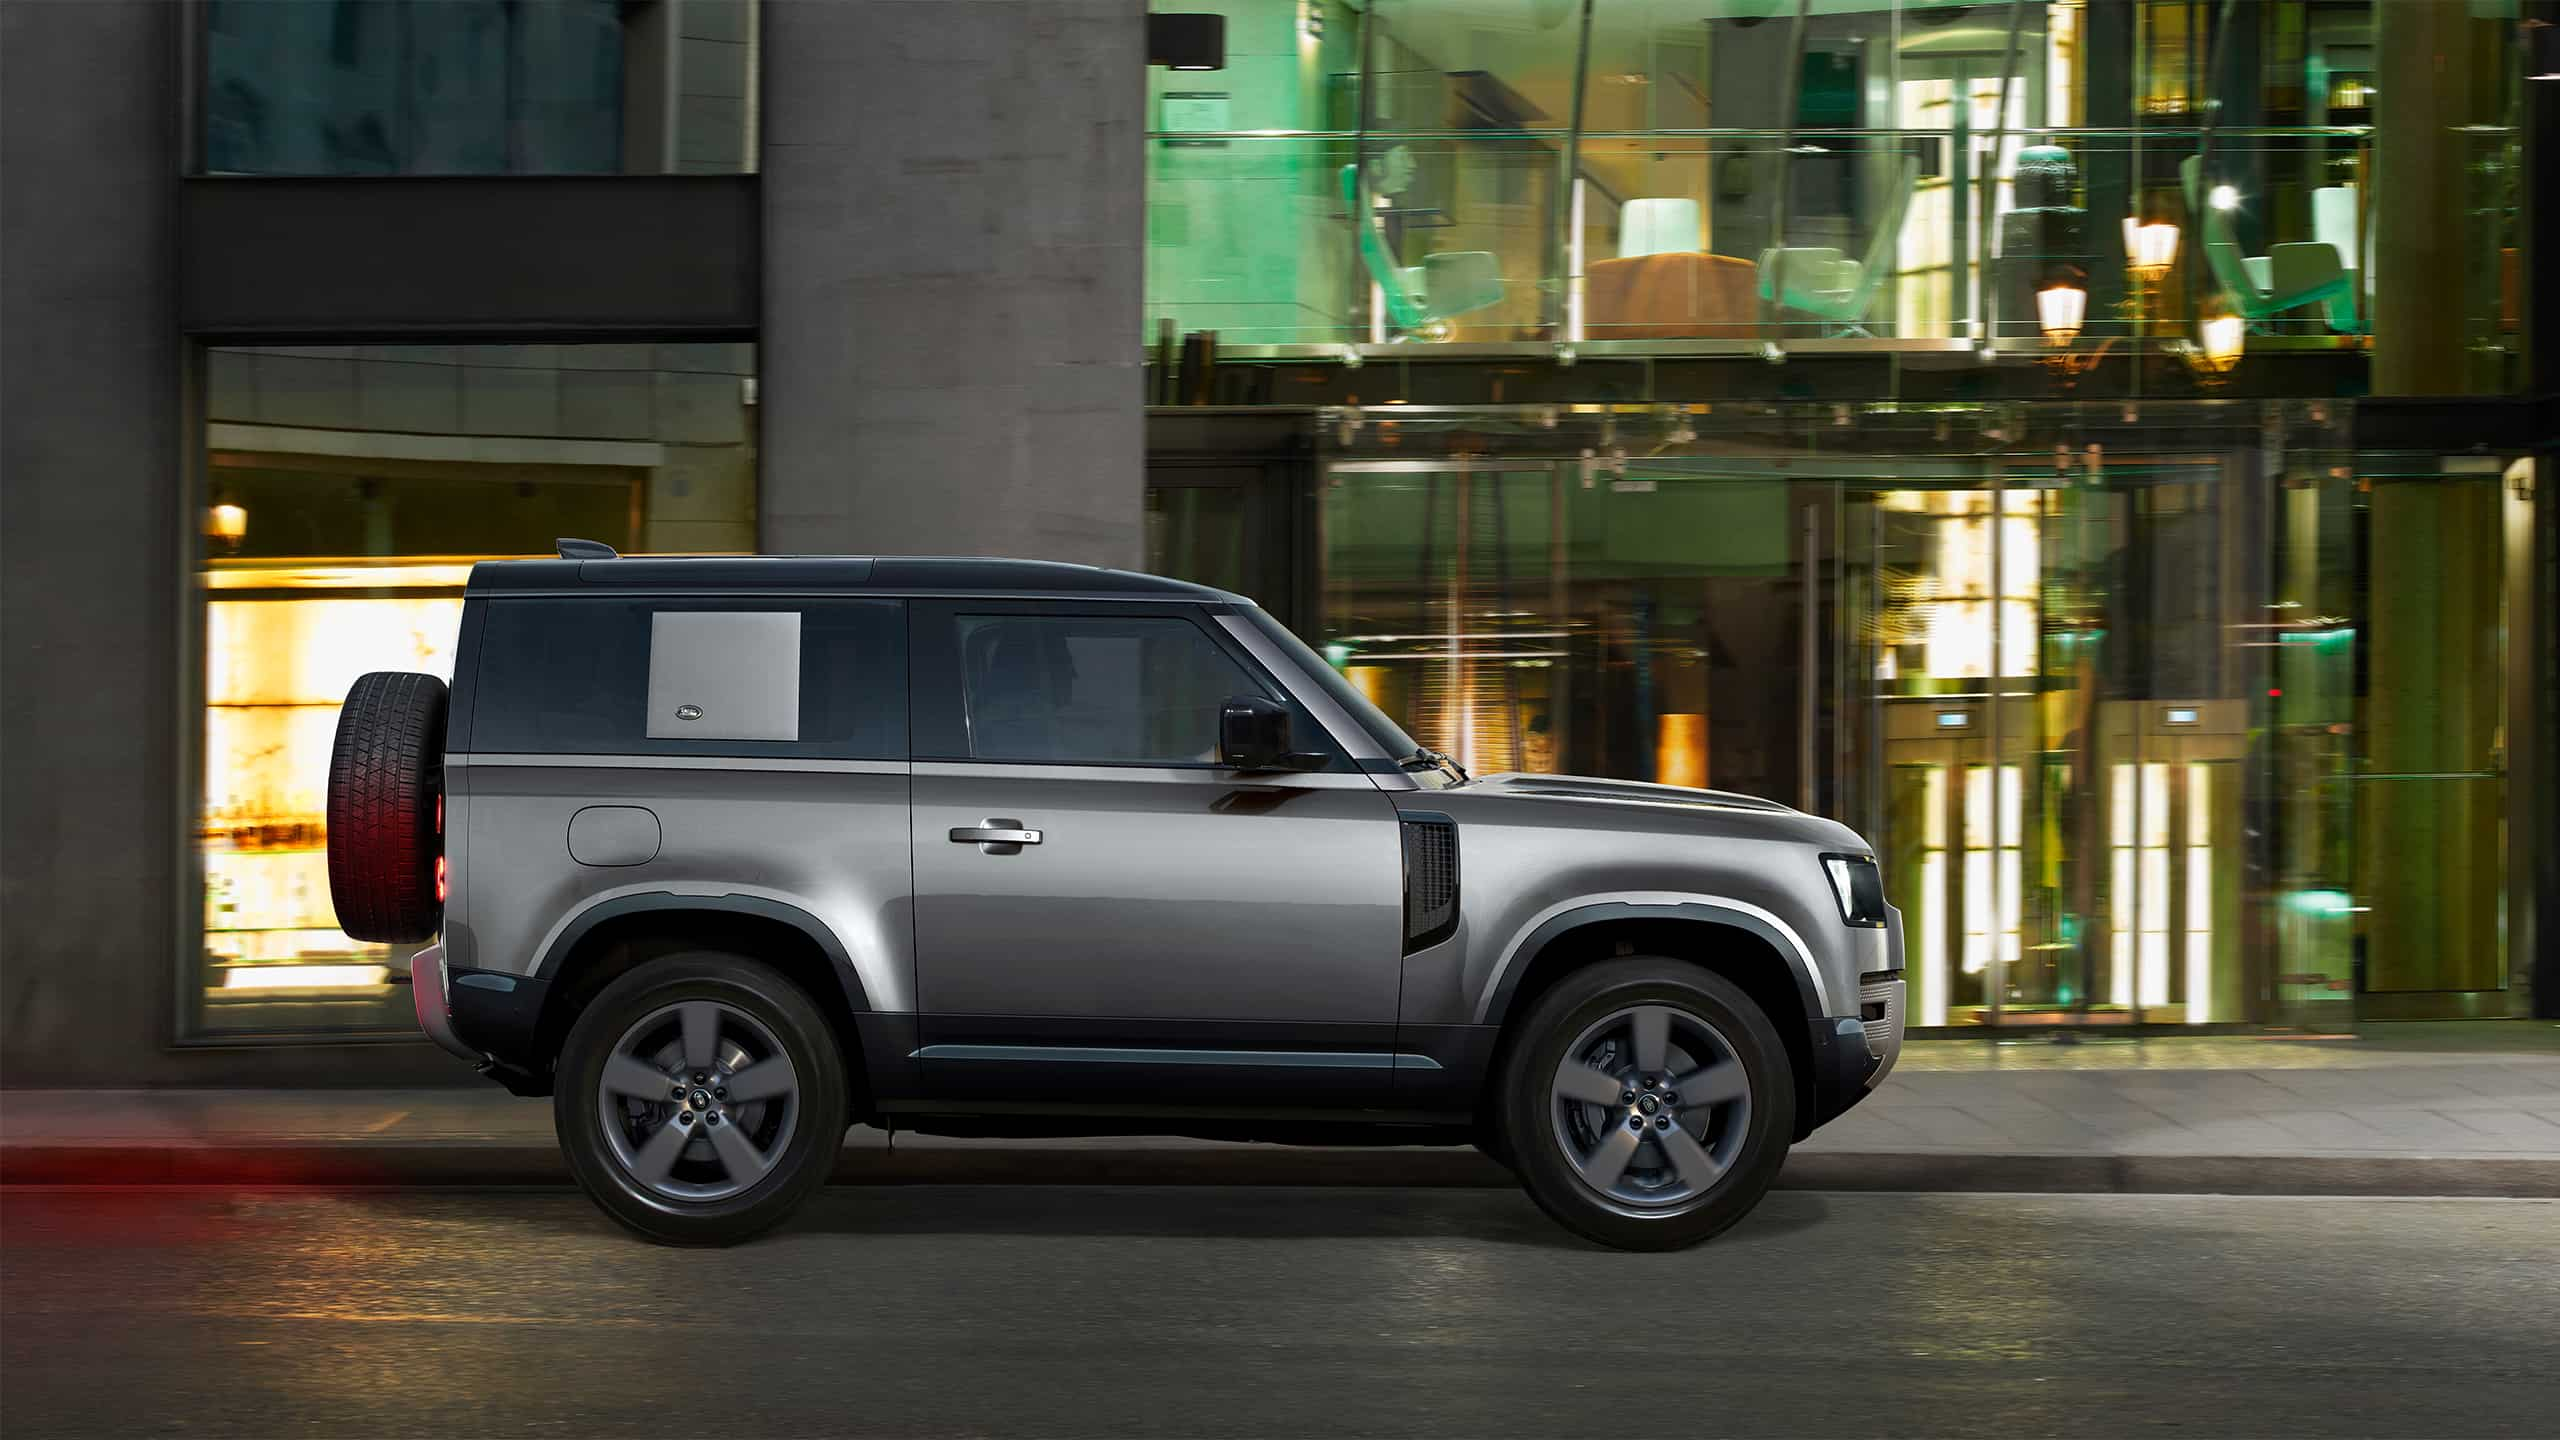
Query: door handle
[{"x": 998, "y": 835}]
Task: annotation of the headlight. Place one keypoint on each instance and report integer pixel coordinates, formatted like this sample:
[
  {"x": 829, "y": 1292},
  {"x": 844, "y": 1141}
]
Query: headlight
[{"x": 1859, "y": 886}]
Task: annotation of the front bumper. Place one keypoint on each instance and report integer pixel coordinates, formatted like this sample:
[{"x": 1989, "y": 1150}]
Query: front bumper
[
  {"x": 1881, "y": 998},
  {"x": 483, "y": 1015},
  {"x": 1852, "y": 1056}
]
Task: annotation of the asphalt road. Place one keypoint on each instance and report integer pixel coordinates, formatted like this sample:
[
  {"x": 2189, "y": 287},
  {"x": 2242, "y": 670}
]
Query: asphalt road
[{"x": 1047, "y": 1310}]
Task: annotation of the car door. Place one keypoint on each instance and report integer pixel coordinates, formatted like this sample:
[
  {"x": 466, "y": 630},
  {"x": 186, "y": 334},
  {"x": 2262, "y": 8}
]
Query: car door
[{"x": 1103, "y": 912}]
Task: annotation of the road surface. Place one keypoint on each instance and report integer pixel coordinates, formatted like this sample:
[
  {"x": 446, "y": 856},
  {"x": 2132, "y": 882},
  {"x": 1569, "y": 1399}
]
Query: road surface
[{"x": 1054, "y": 1310}]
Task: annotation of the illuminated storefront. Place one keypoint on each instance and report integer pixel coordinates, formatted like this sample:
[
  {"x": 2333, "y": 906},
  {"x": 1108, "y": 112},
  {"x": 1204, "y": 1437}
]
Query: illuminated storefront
[
  {"x": 349, "y": 491},
  {"x": 2091, "y": 684},
  {"x": 1945, "y": 416}
]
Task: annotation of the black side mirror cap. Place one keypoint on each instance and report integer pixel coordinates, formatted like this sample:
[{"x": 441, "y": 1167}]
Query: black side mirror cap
[{"x": 1253, "y": 733}]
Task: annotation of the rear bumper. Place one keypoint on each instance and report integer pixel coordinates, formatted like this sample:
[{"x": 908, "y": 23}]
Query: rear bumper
[
  {"x": 483, "y": 1015},
  {"x": 426, "y": 993}
]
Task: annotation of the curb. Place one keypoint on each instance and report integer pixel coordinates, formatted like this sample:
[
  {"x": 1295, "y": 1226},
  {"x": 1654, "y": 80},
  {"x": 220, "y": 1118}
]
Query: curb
[{"x": 464, "y": 1164}]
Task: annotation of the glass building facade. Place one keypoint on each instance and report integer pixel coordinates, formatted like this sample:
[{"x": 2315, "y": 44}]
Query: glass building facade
[
  {"x": 2193, "y": 717},
  {"x": 1904, "y": 176},
  {"x": 1946, "y": 417}
]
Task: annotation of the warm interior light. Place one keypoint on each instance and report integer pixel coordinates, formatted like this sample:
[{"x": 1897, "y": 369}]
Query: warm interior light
[
  {"x": 1680, "y": 749},
  {"x": 2059, "y": 311},
  {"x": 226, "y": 521},
  {"x": 2220, "y": 342},
  {"x": 294, "y": 977},
  {"x": 2149, "y": 250}
]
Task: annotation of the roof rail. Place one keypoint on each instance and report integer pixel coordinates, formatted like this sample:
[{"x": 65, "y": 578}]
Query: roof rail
[{"x": 575, "y": 549}]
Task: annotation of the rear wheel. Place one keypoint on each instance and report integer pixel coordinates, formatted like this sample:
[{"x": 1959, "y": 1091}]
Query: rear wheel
[
  {"x": 1647, "y": 1103},
  {"x": 701, "y": 1099}
]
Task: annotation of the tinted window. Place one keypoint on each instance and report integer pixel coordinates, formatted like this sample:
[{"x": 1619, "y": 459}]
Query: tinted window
[
  {"x": 478, "y": 87},
  {"x": 821, "y": 678},
  {"x": 1072, "y": 689}
]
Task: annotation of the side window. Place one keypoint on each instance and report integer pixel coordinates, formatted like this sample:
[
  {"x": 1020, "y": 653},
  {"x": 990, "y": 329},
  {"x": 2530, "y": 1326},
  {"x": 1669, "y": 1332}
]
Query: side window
[
  {"x": 1092, "y": 690},
  {"x": 671, "y": 676}
]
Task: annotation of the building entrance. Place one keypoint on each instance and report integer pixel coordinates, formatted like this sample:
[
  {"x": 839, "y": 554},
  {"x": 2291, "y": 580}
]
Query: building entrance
[{"x": 2116, "y": 717}]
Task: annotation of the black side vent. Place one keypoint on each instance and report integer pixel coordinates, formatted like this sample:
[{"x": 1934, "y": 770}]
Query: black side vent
[{"x": 1430, "y": 879}]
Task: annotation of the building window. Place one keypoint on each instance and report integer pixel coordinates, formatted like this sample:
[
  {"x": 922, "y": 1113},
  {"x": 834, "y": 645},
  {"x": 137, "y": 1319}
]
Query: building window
[
  {"x": 348, "y": 491},
  {"x": 478, "y": 87}
]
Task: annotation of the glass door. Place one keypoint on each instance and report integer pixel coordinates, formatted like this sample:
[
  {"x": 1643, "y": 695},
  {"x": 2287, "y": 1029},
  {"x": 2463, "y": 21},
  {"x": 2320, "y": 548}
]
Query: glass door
[
  {"x": 1951, "y": 662},
  {"x": 2061, "y": 737},
  {"x": 2428, "y": 779}
]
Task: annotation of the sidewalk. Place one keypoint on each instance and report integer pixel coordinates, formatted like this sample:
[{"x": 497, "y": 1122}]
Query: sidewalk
[{"x": 2411, "y": 1110}]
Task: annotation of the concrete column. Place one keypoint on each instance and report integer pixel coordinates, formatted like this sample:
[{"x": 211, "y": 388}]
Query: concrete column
[
  {"x": 952, "y": 305},
  {"x": 89, "y": 533}
]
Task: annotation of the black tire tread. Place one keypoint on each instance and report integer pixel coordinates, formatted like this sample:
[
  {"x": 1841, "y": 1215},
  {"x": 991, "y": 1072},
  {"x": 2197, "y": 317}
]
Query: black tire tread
[{"x": 386, "y": 773}]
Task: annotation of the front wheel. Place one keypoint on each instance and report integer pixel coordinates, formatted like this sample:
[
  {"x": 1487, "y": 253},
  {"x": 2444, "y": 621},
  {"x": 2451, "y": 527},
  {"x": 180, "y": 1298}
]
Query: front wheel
[
  {"x": 1647, "y": 1103},
  {"x": 700, "y": 1099}
]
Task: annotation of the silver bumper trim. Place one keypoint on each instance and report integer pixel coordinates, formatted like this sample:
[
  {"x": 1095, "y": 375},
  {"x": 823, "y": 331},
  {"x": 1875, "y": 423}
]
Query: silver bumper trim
[
  {"x": 1884, "y": 1032},
  {"x": 426, "y": 992}
]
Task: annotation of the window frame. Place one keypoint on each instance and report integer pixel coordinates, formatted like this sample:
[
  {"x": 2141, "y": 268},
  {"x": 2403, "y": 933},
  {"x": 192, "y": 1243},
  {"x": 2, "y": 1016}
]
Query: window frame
[{"x": 937, "y": 700}]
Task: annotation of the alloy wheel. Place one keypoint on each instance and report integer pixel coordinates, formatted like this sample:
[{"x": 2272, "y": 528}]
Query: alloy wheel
[
  {"x": 698, "y": 1101},
  {"x": 1651, "y": 1105}
]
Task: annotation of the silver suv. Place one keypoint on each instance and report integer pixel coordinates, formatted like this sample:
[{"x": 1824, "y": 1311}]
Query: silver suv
[{"x": 725, "y": 855}]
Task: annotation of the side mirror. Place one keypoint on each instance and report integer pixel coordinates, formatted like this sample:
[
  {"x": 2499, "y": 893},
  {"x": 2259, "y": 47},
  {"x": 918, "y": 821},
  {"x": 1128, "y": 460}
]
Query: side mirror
[{"x": 1253, "y": 733}]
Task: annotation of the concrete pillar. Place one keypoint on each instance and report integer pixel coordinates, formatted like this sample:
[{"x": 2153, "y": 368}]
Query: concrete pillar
[
  {"x": 953, "y": 210},
  {"x": 90, "y": 531}
]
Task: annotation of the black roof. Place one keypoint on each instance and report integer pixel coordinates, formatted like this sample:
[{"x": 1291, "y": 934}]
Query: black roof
[{"x": 805, "y": 574}]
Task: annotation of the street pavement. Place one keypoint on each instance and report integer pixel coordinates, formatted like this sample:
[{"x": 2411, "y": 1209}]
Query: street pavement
[
  {"x": 2411, "y": 1110},
  {"x": 1234, "y": 1310}
]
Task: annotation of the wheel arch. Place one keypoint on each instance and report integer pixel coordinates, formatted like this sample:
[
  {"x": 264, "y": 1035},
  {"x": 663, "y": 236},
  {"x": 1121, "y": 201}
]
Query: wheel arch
[
  {"x": 1731, "y": 943},
  {"x": 610, "y": 939}
]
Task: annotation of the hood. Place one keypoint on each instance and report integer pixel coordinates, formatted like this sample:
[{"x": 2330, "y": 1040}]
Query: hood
[{"x": 1587, "y": 788}]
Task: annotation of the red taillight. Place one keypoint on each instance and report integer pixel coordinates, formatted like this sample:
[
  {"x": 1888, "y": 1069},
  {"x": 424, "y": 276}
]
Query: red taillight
[
  {"x": 440, "y": 885},
  {"x": 439, "y": 814}
]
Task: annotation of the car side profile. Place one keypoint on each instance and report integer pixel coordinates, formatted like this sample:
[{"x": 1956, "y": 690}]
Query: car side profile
[{"x": 725, "y": 855}]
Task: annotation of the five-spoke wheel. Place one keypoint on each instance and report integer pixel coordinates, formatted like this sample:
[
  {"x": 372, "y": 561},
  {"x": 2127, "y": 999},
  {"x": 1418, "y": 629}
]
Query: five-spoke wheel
[
  {"x": 697, "y": 1100},
  {"x": 1651, "y": 1105},
  {"x": 700, "y": 1098},
  {"x": 1647, "y": 1102}
]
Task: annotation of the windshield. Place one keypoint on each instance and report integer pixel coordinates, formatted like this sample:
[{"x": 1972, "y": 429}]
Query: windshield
[{"x": 1389, "y": 735}]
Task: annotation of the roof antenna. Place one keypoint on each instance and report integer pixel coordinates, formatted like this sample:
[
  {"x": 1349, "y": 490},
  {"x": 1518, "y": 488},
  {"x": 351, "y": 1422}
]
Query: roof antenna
[{"x": 572, "y": 549}]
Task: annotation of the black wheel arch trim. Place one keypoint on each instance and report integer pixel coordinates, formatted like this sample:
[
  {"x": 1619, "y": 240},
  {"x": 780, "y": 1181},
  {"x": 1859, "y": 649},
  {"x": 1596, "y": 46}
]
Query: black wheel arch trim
[
  {"x": 669, "y": 902},
  {"x": 882, "y": 1039},
  {"x": 1702, "y": 911}
]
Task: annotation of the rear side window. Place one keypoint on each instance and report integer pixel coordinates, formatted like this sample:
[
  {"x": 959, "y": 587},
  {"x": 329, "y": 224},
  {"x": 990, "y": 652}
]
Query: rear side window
[{"x": 778, "y": 677}]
